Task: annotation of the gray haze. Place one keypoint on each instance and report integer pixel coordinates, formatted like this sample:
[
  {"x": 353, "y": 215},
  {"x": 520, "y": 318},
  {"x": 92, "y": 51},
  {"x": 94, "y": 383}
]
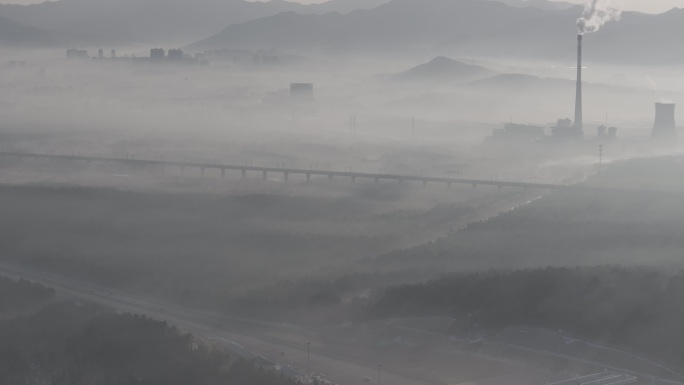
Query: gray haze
[{"x": 341, "y": 192}]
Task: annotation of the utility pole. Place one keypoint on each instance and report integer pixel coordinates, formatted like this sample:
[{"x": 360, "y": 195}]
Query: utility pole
[
  {"x": 600, "y": 157},
  {"x": 308, "y": 359},
  {"x": 354, "y": 126},
  {"x": 379, "y": 367}
]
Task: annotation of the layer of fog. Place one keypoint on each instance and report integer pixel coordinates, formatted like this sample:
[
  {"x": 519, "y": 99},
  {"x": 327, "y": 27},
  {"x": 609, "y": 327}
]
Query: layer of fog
[{"x": 238, "y": 111}]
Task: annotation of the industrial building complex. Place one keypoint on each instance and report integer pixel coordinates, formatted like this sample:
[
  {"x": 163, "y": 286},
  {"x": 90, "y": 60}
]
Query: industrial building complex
[{"x": 664, "y": 132}]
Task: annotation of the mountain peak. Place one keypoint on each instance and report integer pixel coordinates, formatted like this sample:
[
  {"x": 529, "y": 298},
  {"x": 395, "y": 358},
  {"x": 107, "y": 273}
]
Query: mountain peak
[{"x": 442, "y": 68}]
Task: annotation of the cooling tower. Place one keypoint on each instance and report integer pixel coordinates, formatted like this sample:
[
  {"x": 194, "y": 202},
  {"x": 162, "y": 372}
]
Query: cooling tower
[{"x": 664, "y": 128}]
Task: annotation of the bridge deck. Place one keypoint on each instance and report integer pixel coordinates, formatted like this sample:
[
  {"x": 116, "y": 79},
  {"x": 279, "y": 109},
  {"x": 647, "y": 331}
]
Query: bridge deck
[{"x": 308, "y": 173}]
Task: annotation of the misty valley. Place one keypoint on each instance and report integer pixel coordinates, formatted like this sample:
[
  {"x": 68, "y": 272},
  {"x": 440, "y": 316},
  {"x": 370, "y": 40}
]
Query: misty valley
[{"x": 341, "y": 192}]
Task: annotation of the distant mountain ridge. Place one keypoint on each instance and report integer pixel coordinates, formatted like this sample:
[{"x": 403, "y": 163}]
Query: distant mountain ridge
[
  {"x": 542, "y": 4},
  {"x": 398, "y": 24},
  {"x": 157, "y": 21},
  {"x": 520, "y": 29},
  {"x": 14, "y": 34},
  {"x": 464, "y": 27}
]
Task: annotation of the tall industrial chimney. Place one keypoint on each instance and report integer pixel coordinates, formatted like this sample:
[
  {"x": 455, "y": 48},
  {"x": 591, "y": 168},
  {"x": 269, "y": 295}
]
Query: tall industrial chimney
[
  {"x": 579, "y": 126},
  {"x": 664, "y": 128}
]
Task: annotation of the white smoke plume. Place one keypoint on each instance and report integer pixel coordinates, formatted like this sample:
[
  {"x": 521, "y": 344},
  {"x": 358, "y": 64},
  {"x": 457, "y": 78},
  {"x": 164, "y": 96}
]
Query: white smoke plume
[{"x": 597, "y": 13}]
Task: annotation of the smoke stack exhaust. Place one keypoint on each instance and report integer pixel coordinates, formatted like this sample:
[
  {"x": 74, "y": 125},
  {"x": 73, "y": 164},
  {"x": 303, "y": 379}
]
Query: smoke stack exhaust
[
  {"x": 578, "y": 125},
  {"x": 664, "y": 128}
]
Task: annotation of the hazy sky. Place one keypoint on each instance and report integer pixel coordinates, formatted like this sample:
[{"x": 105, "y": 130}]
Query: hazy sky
[{"x": 652, "y": 6}]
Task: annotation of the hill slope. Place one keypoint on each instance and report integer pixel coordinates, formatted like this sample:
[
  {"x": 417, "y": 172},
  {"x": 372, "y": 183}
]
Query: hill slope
[{"x": 443, "y": 69}]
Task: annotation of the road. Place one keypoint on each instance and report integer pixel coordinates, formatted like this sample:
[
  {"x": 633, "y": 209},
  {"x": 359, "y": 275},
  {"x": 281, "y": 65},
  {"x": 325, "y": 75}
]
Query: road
[
  {"x": 504, "y": 205},
  {"x": 338, "y": 367}
]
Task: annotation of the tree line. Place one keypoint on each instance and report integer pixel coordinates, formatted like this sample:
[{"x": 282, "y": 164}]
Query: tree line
[
  {"x": 639, "y": 309},
  {"x": 66, "y": 343}
]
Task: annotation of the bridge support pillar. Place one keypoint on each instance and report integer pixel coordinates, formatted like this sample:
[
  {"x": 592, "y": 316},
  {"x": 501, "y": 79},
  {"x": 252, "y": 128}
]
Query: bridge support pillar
[
  {"x": 449, "y": 185},
  {"x": 223, "y": 173},
  {"x": 308, "y": 178},
  {"x": 244, "y": 174},
  {"x": 287, "y": 176},
  {"x": 353, "y": 179},
  {"x": 202, "y": 170},
  {"x": 424, "y": 183},
  {"x": 499, "y": 187},
  {"x": 182, "y": 170},
  {"x": 377, "y": 180},
  {"x": 330, "y": 176},
  {"x": 265, "y": 175},
  {"x": 474, "y": 186}
]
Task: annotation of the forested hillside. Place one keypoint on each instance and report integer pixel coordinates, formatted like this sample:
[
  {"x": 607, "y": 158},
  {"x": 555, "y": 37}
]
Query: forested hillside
[
  {"x": 639, "y": 309},
  {"x": 76, "y": 344},
  {"x": 644, "y": 226},
  {"x": 203, "y": 250},
  {"x": 21, "y": 295}
]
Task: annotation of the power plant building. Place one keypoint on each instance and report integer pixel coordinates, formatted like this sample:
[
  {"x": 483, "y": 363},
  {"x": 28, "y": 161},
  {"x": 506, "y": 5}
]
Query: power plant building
[
  {"x": 565, "y": 129},
  {"x": 157, "y": 54},
  {"x": 302, "y": 92},
  {"x": 518, "y": 133},
  {"x": 175, "y": 54},
  {"x": 606, "y": 133},
  {"x": 302, "y": 102},
  {"x": 74, "y": 53}
]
